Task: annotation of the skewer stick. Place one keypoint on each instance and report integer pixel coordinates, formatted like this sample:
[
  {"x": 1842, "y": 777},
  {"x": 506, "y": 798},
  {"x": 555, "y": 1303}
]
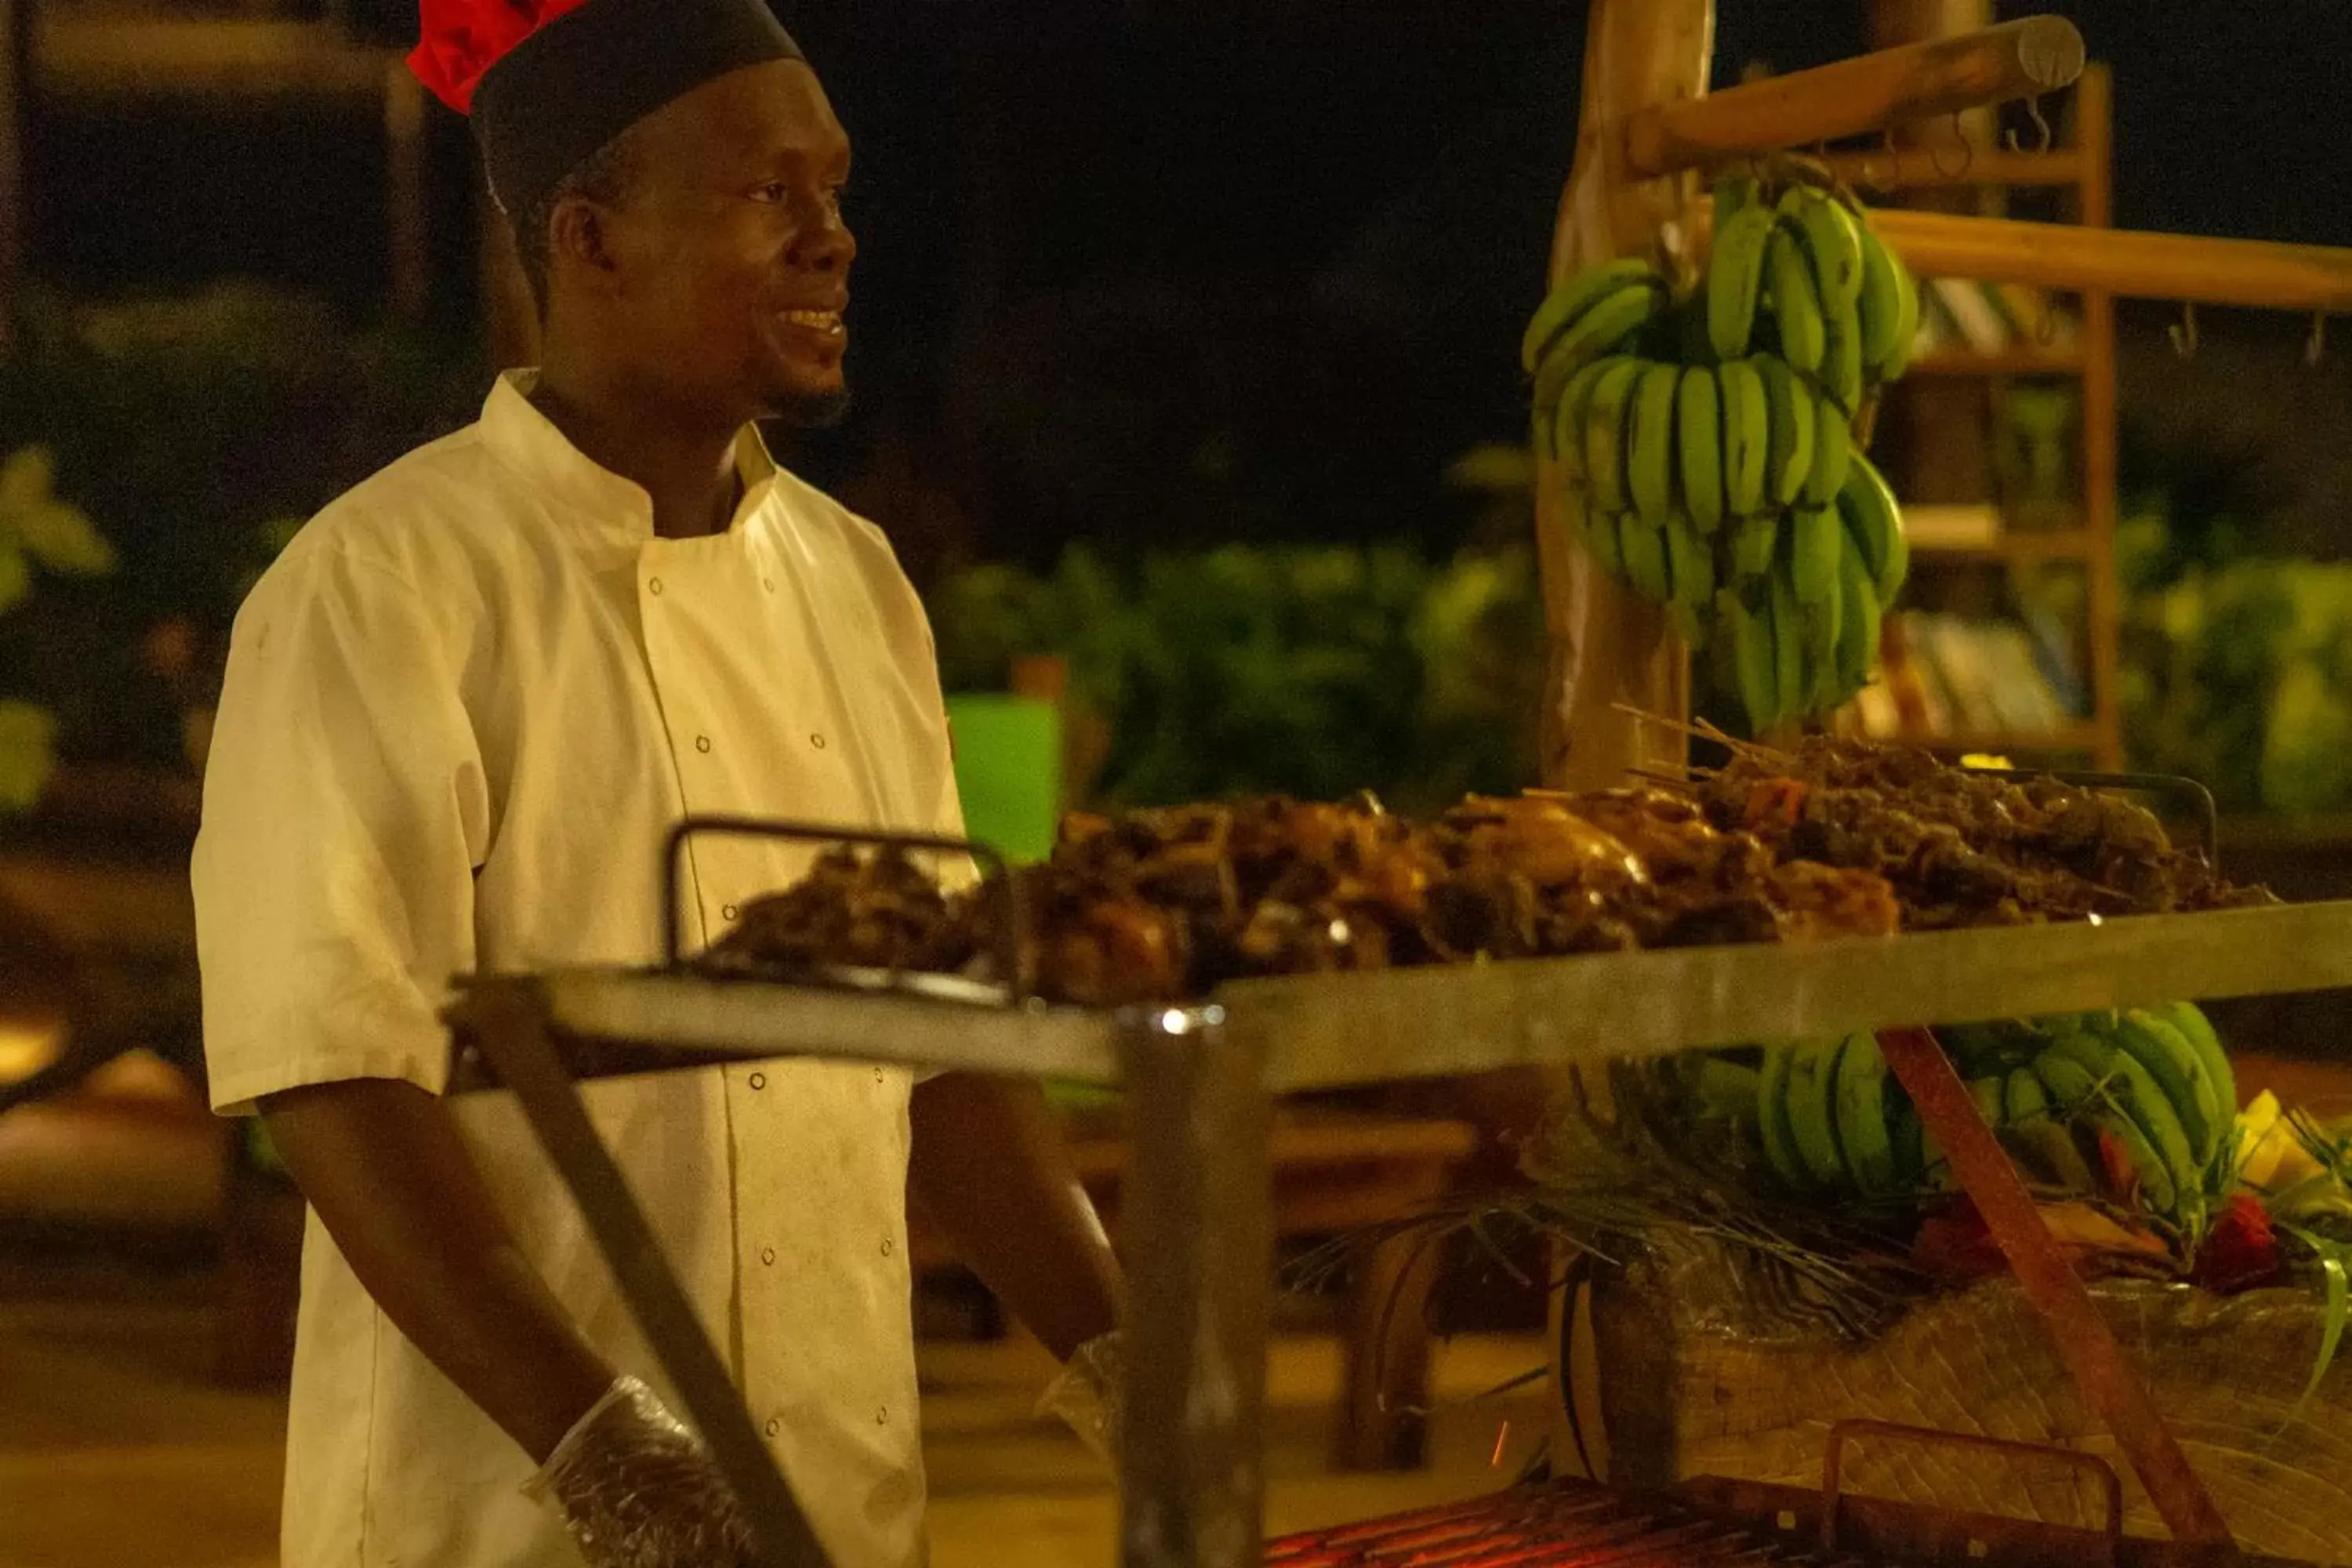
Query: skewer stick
[
  {"x": 2144, "y": 265},
  {"x": 1869, "y": 92}
]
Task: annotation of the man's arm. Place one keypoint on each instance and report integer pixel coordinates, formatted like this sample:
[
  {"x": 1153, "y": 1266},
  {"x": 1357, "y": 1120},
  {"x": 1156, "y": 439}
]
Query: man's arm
[
  {"x": 990, "y": 1168},
  {"x": 382, "y": 1164}
]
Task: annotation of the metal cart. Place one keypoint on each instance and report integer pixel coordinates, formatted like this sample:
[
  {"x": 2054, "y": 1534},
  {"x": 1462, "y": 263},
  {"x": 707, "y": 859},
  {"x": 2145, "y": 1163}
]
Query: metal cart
[{"x": 1201, "y": 1080}]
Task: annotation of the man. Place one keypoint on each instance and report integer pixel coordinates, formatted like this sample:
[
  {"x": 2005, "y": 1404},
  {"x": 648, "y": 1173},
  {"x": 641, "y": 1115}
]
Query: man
[{"x": 460, "y": 712}]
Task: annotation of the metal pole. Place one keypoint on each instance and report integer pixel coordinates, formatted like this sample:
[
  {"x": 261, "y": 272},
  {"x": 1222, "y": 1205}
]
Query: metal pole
[
  {"x": 1197, "y": 1236},
  {"x": 508, "y": 1018}
]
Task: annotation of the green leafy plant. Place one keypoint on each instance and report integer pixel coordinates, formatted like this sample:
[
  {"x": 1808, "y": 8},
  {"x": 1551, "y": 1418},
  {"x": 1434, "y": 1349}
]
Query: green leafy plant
[
  {"x": 37, "y": 529},
  {"x": 1310, "y": 671}
]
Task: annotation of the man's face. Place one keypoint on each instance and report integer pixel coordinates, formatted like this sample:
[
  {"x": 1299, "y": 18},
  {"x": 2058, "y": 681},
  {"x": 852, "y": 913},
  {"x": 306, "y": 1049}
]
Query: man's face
[{"x": 731, "y": 260}]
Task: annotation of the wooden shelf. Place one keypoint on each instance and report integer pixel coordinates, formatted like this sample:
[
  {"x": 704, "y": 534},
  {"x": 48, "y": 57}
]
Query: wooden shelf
[
  {"x": 2016, "y": 549},
  {"x": 1910, "y": 169},
  {"x": 2008, "y": 361},
  {"x": 113, "y": 58}
]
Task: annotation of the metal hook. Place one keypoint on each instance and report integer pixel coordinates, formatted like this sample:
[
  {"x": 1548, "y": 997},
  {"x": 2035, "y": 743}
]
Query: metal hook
[
  {"x": 2316, "y": 349},
  {"x": 2045, "y": 323},
  {"x": 2183, "y": 333},
  {"x": 2042, "y": 136},
  {"x": 1894, "y": 179}
]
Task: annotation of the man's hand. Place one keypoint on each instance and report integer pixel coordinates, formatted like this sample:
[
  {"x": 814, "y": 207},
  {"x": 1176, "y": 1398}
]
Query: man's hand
[
  {"x": 639, "y": 1490},
  {"x": 990, "y": 1169},
  {"x": 382, "y": 1163}
]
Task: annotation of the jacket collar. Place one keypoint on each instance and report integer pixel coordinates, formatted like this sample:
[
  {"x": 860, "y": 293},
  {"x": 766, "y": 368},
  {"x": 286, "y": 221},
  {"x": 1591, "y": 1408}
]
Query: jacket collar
[{"x": 514, "y": 428}]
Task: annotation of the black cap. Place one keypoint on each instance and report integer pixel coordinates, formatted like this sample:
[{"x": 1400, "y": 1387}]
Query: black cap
[{"x": 569, "y": 89}]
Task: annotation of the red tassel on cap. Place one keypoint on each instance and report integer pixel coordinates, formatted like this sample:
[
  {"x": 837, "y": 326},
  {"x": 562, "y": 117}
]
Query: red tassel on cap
[{"x": 464, "y": 38}]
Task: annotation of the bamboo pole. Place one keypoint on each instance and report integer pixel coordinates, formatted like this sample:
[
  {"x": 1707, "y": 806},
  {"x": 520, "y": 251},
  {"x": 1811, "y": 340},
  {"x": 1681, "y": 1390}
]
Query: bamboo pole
[
  {"x": 1606, "y": 645},
  {"x": 2190, "y": 267},
  {"x": 2101, "y": 398},
  {"x": 1869, "y": 92}
]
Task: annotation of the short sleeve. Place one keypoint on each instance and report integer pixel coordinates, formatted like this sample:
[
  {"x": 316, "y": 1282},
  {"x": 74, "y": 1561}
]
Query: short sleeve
[{"x": 345, "y": 813}]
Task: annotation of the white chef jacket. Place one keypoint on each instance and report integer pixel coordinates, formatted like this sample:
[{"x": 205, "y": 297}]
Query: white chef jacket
[{"x": 461, "y": 710}]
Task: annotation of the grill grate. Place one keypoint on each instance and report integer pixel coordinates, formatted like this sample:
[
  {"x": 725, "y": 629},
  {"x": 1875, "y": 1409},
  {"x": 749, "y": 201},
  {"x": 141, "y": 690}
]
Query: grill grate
[{"x": 1557, "y": 1524}]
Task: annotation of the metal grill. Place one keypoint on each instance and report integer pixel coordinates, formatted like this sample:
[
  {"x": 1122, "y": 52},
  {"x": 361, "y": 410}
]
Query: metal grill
[{"x": 1557, "y": 1524}]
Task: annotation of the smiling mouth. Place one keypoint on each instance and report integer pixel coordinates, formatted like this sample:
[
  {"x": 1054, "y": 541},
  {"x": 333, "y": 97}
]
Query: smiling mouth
[{"x": 826, "y": 321}]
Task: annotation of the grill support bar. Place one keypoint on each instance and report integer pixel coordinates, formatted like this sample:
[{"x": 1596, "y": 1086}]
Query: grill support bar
[
  {"x": 2110, "y": 1385},
  {"x": 508, "y": 1018},
  {"x": 1197, "y": 1238}
]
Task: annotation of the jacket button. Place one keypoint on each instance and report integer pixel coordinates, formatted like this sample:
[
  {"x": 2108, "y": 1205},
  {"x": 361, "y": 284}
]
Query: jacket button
[
  {"x": 767, "y": 1255},
  {"x": 759, "y": 1080},
  {"x": 728, "y": 912},
  {"x": 817, "y": 741},
  {"x": 653, "y": 587},
  {"x": 773, "y": 1427},
  {"x": 702, "y": 742},
  {"x": 886, "y": 1246}
]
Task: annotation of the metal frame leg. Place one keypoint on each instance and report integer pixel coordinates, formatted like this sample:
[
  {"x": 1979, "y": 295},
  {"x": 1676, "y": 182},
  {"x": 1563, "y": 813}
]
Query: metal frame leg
[
  {"x": 1197, "y": 1235},
  {"x": 508, "y": 1018}
]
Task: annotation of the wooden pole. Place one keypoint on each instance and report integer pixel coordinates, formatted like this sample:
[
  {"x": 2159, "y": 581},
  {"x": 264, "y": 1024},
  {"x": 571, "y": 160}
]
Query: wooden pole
[
  {"x": 2093, "y": 137},
  {"x": 1606, "y": 645},
  {"x": 1870, "y": 92},
  {"x": 14, "y": 56},
  {"x": 2190, "y": 267}
]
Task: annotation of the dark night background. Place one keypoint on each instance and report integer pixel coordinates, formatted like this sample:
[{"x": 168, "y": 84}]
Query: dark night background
[{"x": 1162, "y": 274}]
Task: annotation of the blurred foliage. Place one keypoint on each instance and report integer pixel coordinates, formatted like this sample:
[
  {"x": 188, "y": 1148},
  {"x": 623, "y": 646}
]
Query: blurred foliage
[
  {"x": 191, "y": 426},
  {"x": 2237, "y": 666},
  {"x": 37, "y": 530},
  {"x": 1310, "y": 672}
]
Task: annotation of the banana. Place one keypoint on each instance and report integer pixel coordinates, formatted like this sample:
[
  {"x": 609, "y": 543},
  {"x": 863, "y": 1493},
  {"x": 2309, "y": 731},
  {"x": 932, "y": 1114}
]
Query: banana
[
  {"x": 1753, "y": 543},
  {"x": 1790, "y": 415},
  {"x": 1564, "y": 305},
  {"x": 1813, "y": 1079},
  {"x": 1876, "y": 527},
  {"x": 1646, "y": 568},
  {"x": 2023, "y": 1097},
  {"x": 1649, "y": 453},
  {"x": 1564, "y": 429},
  {"x": 1751, "y": 629},
  {"x": 1796, "y": 305},
  {"x": 2180, "y": 1072},
  {"x": 1596, "y": 332},
  {"x": 1816, "y": 540},
  {"x": 1734, "y": 277},
  {"x": 1858, "y": 622},
  {"x": 2125, "y": 1102},
  {"x": 1832, "y": 453},
  {"x": 1861, "y": 1121},
  {"x": 1986, "y": 1094},
  {"x": 1842, "y": 362},
  {"x": 1831, "y": 246},
  {"x": 1747, "y": 436},
  {"x": 1788, "y": 647},
  {"x": 1698, "y": 433},
  {"x": 1831, "y": 243},
  {"x": 2187, "y": 1018},
  {"x": 1692, "y": 565},
  {"x": 2047, "y": 1143},
  {"x": 1889, "y": 309},
  {"x": 1772, "y": 1122},
  {"x": 1604, "y": 434}
]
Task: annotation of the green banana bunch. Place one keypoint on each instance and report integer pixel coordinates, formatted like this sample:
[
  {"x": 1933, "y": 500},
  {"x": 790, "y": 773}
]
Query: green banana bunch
[
  {"x": 1830, "y": 1122},
  {"x": 1706, "y": 442},
  {"x": 1588, "y": 316}
]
